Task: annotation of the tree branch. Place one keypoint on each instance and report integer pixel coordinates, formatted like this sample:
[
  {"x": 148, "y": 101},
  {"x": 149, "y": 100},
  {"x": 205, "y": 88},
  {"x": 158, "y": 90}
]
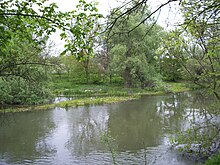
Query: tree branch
[
  {"x": 162, "y": 5},
  {"x": 34, "y": 16}
]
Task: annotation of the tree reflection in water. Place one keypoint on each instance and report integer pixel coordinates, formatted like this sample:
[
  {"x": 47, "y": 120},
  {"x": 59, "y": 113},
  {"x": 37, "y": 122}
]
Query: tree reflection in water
[
  {"x": 140, "y": 128},
  {"x": 199, "y": 133},
  {"x": 20, "y": 138},
  {"x": 86, "y": 129}
]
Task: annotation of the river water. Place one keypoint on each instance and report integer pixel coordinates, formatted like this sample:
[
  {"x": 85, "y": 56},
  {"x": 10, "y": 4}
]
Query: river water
[{"x": 140, "y": 129}]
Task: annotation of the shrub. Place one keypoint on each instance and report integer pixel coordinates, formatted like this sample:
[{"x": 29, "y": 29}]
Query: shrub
[{"x": 215, "y": 160}]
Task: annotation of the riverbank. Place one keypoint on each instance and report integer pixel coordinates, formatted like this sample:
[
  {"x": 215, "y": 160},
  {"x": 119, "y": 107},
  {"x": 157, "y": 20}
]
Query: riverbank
[
  {"x": 71, "y": 103},
  {"x": 99, "y": 94},
  {"x": 68, "y": 89}
]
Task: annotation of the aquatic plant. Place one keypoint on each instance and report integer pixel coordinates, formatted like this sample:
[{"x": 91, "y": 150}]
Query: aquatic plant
[{"x": 110, "y": 143}]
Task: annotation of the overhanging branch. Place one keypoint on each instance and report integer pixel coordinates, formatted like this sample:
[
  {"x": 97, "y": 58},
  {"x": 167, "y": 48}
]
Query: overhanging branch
[
  {"x": 34, "y": 16},
  {"x": 151, "y": 14}
]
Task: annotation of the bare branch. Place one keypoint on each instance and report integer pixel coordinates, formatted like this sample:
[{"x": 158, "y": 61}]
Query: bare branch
[{"x": 151, "y": 14}]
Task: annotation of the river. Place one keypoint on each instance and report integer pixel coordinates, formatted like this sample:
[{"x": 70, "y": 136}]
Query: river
[{"x": 140, "y": 129}]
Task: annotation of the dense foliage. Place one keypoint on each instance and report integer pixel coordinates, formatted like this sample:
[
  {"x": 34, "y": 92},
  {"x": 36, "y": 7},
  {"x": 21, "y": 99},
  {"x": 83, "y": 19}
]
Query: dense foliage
[
  {"x": 25, "y": 27},
  {"x": 131, "y": 54},
  {"x": 132, "y": 51},
  {"x": 23, "y": 73},
  {"x": 214, "y": 161},
  {"x": 202, "y": 24},
  {"x": 195, "y": 45}
]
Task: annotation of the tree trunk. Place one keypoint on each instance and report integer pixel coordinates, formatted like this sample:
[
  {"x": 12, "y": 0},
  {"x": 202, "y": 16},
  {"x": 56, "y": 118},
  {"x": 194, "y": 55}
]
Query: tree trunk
[
  {"x": 86, "y": 68},
  {"x": 87, "y": 74},
  {"x": 127, "y": 78},
  {"x": 110, "y": 76}
]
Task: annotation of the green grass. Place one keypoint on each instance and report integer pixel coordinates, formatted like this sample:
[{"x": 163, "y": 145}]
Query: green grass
[
  {"x": 215, "y": 160},
  {"x": 71, "y": 89},
  {"x": 178, "y": 86},
  {"x": 73, "y": 103},
  {"x": 98, "y": 94},
  {"x": 93, "y": 101}
]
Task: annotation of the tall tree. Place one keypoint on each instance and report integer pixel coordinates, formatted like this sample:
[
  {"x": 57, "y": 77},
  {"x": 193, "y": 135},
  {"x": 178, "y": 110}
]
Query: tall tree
[
  {"x": 133, "y": 53},
  {"x": 81, "y": 38}
]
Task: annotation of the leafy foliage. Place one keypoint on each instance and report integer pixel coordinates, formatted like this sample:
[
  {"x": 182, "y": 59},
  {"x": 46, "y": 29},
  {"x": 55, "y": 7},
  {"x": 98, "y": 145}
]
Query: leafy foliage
[
  {"x": 84, "y": 28},
  {"x": 171, "y": 56},
  {"x": 25, "y": 27},
  {"x": 195, "y": 45},
  {"x": 19, "y": 91},
  {"x": 133, "y": 53},
  {"x": 202, "y": 22},
  {"x": 23, "y": 74},
  {"x": 214, "y": 161}
]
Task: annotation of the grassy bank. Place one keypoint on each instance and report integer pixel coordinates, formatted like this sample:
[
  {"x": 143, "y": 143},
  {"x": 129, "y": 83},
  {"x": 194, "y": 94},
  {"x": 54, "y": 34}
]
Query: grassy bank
[
  {"x": 66, "y": 87},
  {"x": 98, "y": 94},
  {"x": 72, "y": 103}
]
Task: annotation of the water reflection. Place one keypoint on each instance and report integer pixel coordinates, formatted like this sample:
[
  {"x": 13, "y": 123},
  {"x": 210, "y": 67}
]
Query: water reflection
[
  {"x": 134, "y": 125},
  {"x": 140, "y": 128},
  {"x": 86, "y": 129},
  {"x": 19, "y": 139}
]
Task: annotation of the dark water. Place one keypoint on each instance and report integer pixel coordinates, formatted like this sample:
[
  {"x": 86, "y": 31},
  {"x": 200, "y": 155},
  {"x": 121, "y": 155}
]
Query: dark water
[{"x": 141, "y": 130}]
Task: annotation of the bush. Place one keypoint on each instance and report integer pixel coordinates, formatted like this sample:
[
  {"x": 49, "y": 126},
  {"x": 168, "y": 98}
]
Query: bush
[
  {"x": 215, "y": 160},
  {"x": 19, "y": 91}
]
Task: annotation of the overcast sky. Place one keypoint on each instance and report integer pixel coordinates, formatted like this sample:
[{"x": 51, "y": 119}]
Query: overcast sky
[{"x": 168, "y": 17}]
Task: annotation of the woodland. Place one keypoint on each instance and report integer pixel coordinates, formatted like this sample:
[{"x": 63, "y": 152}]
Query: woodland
[{"x": 126, "y": 52}]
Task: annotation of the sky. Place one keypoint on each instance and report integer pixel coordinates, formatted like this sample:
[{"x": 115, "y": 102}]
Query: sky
[
  {"x": 168, "y": 18},
  {"x": 167, "y": 15}
]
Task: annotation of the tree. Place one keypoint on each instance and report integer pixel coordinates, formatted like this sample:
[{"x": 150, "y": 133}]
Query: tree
[
  {"x": 27, "y": 24},
  {"x": 133, "y": 53},
  {"x": 84, "y": 28},
  {"x": 23, "y": 61},
  {"x": 130, "y": 7},
  {"x": 202, "y": 23},
  {"x": 44, "y": 19},
  {"x": 172, "y": 57},
  {"x": 170, "y": 68},
  {"x": 195, "y": 44},
  {"x": 23, "y": 73}
]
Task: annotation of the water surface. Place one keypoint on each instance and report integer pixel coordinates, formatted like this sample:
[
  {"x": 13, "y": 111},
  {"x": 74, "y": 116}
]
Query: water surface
[{"x": 141, "y": 130}]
